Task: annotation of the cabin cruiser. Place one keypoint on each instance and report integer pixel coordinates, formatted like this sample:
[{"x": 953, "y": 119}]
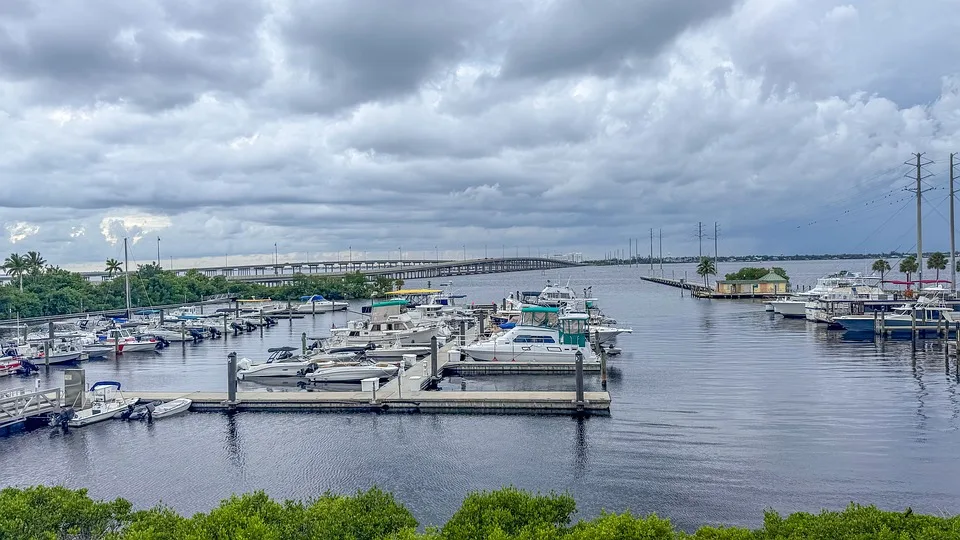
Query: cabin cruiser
[
  {"x": 542, "y": 335},
  {"x": 318, "y": 304},
  {"x": 59, "y": 353},
  {"x": 282, "y": 362},
  {"x": 931, "y": 313},
  {"x": 389, "y": 323}
]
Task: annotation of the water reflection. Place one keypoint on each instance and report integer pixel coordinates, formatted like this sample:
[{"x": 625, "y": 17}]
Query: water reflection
[
  {"x": 580, "y": 455},
  {"x": 232, "y": 440}
]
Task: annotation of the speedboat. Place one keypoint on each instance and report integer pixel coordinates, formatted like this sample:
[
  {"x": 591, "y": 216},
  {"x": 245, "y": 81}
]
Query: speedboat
[
  {"x": 318, "y": 304},
  {"x": 389, "y": 323},
  {"x": 9, "y": 365},
  {"x": 281, "y": 363},
  {"x": 354, "y": 373},
  {"x": 106, "y": 401},
  {"x": 542, "y": 335},
  {"x": 156, "y": 410}
]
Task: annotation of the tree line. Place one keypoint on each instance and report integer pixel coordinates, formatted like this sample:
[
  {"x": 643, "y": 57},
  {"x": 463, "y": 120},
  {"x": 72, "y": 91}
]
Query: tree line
[
  {"x": 38, "y": 289},
  {"x": 908, "y": 266},
  {"x": 506, "y": 514}
]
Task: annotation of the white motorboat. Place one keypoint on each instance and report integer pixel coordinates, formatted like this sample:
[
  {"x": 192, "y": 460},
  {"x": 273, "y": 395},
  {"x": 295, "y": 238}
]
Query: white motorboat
[
  {"x": 281, "y": 363},
  {"x": 318, "y": 304},
  {"x": 156, "y": 410},
  {"x": 106, "y": 401},
  {"x": 542, "y": 335},
  {"x": 60, "y": 353},
  {"x": 606, "y": 334},
  {"x": 354, "y": 373},
  {"x": 61, "y": 330},
  {"x": 9, "y": 365},
  {"x": 97, "y": 351},
  {"x": 396, "y": 352},
  {"x": 389, "y": 323},
  {"x": 125, "y": 342}
]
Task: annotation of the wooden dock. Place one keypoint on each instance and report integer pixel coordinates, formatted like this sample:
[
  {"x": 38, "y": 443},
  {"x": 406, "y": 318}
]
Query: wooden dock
[{"x": 680, "y": 284}]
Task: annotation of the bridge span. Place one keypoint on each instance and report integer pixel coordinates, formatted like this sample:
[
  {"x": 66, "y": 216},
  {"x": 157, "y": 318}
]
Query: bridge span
[{"x": 270, "y": 274}]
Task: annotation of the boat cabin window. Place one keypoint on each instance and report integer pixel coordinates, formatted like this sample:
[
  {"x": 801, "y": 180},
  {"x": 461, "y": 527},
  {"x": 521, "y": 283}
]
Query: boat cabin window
[{"x": 533, "y": 339}]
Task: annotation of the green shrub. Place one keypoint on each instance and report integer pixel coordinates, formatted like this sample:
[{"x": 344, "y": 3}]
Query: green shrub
[
  {"x": 59, "y": 513},
  {"x": 509, "y": 513}
]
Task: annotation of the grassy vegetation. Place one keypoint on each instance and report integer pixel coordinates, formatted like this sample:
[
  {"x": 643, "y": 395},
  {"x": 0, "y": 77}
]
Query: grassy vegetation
[{"x": 58, "y": 513}]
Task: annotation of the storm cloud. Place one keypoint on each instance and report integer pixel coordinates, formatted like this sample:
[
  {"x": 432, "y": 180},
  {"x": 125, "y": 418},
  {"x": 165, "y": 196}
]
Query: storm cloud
[{"x": 224, "y": 127}]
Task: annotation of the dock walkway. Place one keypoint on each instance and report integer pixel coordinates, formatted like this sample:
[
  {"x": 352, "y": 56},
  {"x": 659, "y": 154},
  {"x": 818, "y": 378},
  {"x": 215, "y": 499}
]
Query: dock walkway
[{"x": 19, "y": 404}]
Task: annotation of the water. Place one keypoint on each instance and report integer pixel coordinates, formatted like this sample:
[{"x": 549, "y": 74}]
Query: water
[{"x": 720, "y": 410}]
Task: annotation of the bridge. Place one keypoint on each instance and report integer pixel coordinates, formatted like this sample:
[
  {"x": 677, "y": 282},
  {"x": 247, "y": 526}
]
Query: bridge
[{"x": 277, "y": 274}]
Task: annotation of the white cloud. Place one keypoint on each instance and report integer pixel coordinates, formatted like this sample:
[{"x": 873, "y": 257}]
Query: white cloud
[
  {"x": 133, "y": 226},
  {"x": 21, "y": 230}
]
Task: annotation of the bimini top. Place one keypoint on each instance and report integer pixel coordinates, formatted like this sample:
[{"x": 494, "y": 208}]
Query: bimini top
[
  {"x": 414, "y": 291},
  {"x": 104, "y": 384},
  {"x": 313, "y": 298},
  {"x": 388, "y": 303},
  {"x": 539, "y": 309}
]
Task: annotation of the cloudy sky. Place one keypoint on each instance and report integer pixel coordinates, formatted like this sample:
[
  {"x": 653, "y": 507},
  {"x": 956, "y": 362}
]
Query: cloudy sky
[{"x": 224, "y": 127}]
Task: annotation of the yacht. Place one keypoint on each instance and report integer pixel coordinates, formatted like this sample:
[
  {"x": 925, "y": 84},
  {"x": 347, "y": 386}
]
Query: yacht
[
  {"x": 389, "y": 323},
  {"x": 930, "y": 311},
  {"x": 282, "y": 363},
  {"x": 541, "y": 335},
  {"x": 318, "y": 304}
]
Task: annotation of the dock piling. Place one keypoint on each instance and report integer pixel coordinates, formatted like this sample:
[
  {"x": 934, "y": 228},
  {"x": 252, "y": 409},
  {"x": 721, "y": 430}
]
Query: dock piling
[
  {"x": 913, "y": 329},
  {"x": 434, "y": 353},
  {"x": 603, "y": 368},
  {"x": 303, "y": 343},
  {"x": 183, "y": 332},
  {"x": 161, "y": 318},
  {"x": 232, "y": 381},
  {"x": 463, "y": 333},
  {"x": 579, "y": 396}
]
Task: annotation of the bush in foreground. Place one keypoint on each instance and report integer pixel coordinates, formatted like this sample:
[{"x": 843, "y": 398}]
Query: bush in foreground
[{"x": 50, "y": 513}]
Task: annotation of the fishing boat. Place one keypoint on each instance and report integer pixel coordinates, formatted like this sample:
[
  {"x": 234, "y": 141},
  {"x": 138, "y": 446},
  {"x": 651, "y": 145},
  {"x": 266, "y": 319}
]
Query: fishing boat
[
  {"x": 59, "y": 353},
  {"x": 105, "y": 401},
  {"x": 543, "y": 334},
  {"x": 316, "y": 303},
  {"x": 156, "y": 410},
  {"x": 930, "y": 311},
  {"x": 9, "y": 365}
]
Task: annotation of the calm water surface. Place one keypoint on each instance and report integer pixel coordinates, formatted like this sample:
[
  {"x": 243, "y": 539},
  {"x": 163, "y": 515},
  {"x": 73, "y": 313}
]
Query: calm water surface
[{"x": 720, "y": 410}]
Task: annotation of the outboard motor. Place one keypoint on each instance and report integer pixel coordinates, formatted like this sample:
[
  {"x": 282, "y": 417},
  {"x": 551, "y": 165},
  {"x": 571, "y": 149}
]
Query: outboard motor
[
  {"x": 249, "y": 326},
  {"x": 196, "y": 334},
  {"x": 237, "y": 327},
  {"x": 27, "y": 367},
  {"x": 62, "y": 419},
  {"x": 215, "y": 332},
  {"x": 125, "y": 415},
  {"x": 149, "y": 409}
]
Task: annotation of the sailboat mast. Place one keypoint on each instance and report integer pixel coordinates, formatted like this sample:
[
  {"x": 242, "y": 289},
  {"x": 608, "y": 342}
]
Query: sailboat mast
[
  {"x": 953, "y": 246},
  {"x": 126, "y": 275}
]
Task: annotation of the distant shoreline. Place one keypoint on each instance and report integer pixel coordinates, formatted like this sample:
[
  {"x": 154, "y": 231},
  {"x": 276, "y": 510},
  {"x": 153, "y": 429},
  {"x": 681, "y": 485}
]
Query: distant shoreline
[{"x": 752, "y": 258}]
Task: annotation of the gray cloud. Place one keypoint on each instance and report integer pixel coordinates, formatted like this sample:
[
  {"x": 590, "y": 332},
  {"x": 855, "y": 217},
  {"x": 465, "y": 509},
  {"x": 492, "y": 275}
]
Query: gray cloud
[{"x": 226, "y": 127}]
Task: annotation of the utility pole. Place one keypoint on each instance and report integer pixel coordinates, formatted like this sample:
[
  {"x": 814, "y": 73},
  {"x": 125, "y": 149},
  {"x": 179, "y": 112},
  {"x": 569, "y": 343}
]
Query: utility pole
[
  {"x": 158, "y": 254},
  {"x": 126, "y": 275},
  {"x": 651, "y": 251},
  {"x": 716, "y": 252},
  {"x": 953, "y": 246},
  {"x": 700, "y": 238},
  {"x": 661, "y": 253},
  {"x": 919, "y": 163}
]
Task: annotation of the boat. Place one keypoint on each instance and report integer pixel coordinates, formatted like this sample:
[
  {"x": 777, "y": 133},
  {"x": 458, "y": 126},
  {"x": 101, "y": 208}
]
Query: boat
[
  {"x": 318, "y": 304},
  {"x": 124, "y": 342},
  {"x": 543, "y": 334},
  {"x": 389, "y": 323},
  {"x": 156, "y": 410},
  {"x": 281, "y": 363},
  {"x": 354, "y": 373},
  {"x": 60, "y": 353},
  {"x": 106, "y": 401},
  {"x": 931, "y": 313},
  {"x": 9, "y": 365}
]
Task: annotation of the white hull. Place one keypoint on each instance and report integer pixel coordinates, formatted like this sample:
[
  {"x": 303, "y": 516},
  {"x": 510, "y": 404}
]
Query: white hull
[
  {"x": 100, "y": 412},
  {"x": 276, "y": 369},
  {"x": 396, "y": 353},
  {"x": 353, "y": 373},
  {"x": 135, "y": 346},
  {"x": 790, "y": 308},
  {"x": 57, "y": 358},
  {"x": 607, "y": 334},
  {"x": 533, "y": 352},
  {"x": 172, "y": 408},
  {"x": 416, "y": 336},
  {"x": 322, "y": 307},
  {"x": 97, "y": 351}
]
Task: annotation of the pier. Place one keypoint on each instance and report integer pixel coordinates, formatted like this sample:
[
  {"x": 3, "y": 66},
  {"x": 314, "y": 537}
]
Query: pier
[
  {"x": 695, "y": 288},
  {"x": 18, "y": 405}
]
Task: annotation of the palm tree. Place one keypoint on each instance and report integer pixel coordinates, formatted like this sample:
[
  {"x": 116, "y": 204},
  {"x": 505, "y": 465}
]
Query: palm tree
[
  {"x": 706, "y": 268},
  {"x": 113, "y": 267},
  {"x": 35, "y": 262},
  {"x": 16, "y": 266},
  {"x": 908, "y": 265},
  {"x": 937, "y": 261},
  {"x": 881, "y": 266}
]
